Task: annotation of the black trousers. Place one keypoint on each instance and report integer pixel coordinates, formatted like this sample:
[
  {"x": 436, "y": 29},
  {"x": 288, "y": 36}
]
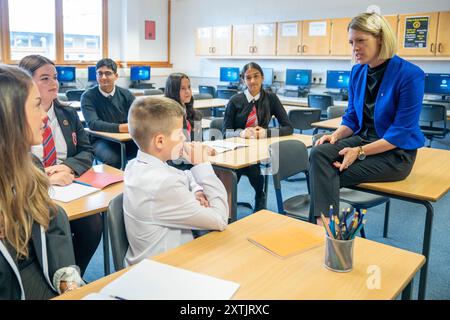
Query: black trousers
[
  {"x": 86, "y": 235},
  {"x": 326, "y": 180},
  {"x": 253, "y": 173},
  {"x": 108, "y": 152}
]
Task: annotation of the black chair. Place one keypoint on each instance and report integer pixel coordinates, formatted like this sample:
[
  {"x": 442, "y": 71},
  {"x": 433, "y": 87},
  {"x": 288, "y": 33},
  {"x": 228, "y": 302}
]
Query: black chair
[
  {"x": 226, "y": 93},
  {"x": 74, "y": 95},
  {"x": 281, "y": 155},
  {"x": 362, "y": 200},
  {"x": 320, "y": 101},
  {"x": 430, "y": 114},
  {"x": 207, "y": 89},
  {"x": 117, "y": 232},
  {"x": 152, "y": 92},
  {"x": 335, "y": 112},
  {"x": 301, "y": 119},
  {"x": 215, "y": 129},
  {"x": 202, "y": 96}
]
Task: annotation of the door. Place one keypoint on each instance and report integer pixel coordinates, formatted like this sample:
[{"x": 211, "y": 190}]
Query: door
[
  {"x": 316, "y": 37},
  {"x": 443, "y": 36},
  {"x": 242, "y": 40},
  {"x": 289, "y": 42},
  {"x": 203, "y": 41},
  {"x": 265, "y": 39},
  {"x": 222, "y": 41},
  {"x": 339, "y": 45}
]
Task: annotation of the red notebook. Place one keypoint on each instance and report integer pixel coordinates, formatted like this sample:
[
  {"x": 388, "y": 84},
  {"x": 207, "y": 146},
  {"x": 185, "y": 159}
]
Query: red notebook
[{"x": 99, "y": 179}]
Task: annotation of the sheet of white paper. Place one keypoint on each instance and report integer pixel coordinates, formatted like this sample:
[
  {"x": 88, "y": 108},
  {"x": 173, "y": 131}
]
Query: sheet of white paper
[
  {"x": 71, "y": 192},
  {"x": 151, "y": 280},
  {"x": 318, "y": 29},
  {"x": 289, "y": 30},
  {"x": 265, "y": 30},
  {"x": 222, "y": 146}
]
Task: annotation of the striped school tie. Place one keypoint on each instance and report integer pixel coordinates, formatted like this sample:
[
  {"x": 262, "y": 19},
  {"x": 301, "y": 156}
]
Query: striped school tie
[
  {"x": 252, "y": 119},
  {"x": 49, "y": 145},
  {"x": 189, "y": 128}
]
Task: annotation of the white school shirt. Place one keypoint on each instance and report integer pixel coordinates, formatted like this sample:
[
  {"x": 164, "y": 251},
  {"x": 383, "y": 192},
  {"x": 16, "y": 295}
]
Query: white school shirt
[
  {"x": 58, "y": 137},
  {"x": 249, "y": 96},
  {"x": 160, "y": 210}
]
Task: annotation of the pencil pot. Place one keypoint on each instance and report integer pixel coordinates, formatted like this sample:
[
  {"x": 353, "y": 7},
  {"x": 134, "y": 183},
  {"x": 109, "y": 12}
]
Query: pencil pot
[{"x": 339, "y": 254}]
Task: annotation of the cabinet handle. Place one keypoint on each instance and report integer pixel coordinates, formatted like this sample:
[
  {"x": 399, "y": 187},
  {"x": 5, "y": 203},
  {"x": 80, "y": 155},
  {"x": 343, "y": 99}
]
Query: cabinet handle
[
  {"x": 255, "y": 49},
  {"x": 440, "y": 47},
  {"x": 250, "y": 49},
  {"x": 210, "y": 51},
  {"x": 304, "y": 48},
  {"x": 431, "y": 47},
  {"x": 213, "y": 49},
  {"x": 298, "y": 48}
]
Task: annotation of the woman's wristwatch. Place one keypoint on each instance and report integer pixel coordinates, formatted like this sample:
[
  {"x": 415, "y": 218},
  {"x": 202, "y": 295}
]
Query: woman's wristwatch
[{"x": 361, "y": 153}]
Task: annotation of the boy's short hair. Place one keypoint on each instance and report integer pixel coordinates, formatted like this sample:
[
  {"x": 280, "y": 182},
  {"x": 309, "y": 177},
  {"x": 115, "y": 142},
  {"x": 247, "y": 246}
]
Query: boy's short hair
[
  {"x": 107, "y": 62},
  {"x": 152, "y": 115}
]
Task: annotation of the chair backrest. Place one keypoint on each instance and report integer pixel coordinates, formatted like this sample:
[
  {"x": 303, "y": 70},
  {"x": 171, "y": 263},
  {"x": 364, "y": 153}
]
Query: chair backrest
[
  {"x": 207, "y": 89},
  {"x": 287, "y": 158},
  {"x": 432, "y": 112},
  {"x": 301, "y": 119},
  {"x": 321, "y": 101},
  {"x": 62, "y": 97},
  {"x": 202, "y": 96},
  {"x": 117, "y": 232},
  {"x": 74, "y": 95},
  {"x": 226, "y": 93},
  {"x": 152, "y": 92},
  {"x": 335, "y": 111},
  {"x": 215, "y": 129}
]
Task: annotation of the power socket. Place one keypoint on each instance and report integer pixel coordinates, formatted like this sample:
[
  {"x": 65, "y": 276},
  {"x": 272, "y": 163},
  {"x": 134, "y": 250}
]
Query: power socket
[{"x": 314, "y": 80}]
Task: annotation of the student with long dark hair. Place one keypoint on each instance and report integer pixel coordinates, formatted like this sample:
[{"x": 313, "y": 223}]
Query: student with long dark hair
[
  {"x": 248, "y": 114},
  {"x": 36, "y": 253},
  {"x": 65, "y": 151},
  {"x": 178, "y": 88}
]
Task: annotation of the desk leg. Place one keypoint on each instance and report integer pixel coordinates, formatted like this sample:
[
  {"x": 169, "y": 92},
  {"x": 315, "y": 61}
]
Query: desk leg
[
  {"x": 229, "y": 180},
  {"x": 426, "y": 249},
  {"x": 123, "y": 155},
  {"x": 106, "y": 244},
  {"x": 407, "y": 292}
]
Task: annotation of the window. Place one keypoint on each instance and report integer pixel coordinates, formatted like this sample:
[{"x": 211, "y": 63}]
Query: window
[
  {"x": 83, "y": 24},
  {"x": 28, "y": 37},
  {"x": 36, "y": 27}
]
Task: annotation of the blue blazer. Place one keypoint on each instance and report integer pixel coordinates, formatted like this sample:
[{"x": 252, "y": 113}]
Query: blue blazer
[{"x": 397, "y": 106}]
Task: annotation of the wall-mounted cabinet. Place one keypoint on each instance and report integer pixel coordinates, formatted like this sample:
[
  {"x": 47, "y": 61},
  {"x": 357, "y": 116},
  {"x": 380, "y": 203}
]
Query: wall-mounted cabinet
[
  {"x": 417, "y": 34},
  {"x": 213, "y": 41},
  {"x": 254, "y": 39},
  {"x": 316, "y": 37},
  {"x": 289, "y": 42}
]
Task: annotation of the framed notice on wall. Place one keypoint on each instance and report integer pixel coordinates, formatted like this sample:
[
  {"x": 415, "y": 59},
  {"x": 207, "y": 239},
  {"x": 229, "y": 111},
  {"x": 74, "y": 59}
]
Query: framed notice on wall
[{"x": 416, "y": 32}]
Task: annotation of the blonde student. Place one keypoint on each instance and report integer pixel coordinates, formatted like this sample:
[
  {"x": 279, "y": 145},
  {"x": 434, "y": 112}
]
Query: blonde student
[
  {"x": 160, "y": 209},
  {"x": 36, "y": 253}
]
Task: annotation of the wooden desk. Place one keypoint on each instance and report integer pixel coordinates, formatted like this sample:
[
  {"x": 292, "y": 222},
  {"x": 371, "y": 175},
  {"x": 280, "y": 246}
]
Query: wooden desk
[
  {"x": 330, "y": 124},
  {"x": 303, "y": 102},
  {"x": 257, "y": 150},
  {"x": 96, "y": 203},
  {"x": 428, "y": 182},
  {"x": 230, "y": 256},
  {"x": 210, "y": 103}
]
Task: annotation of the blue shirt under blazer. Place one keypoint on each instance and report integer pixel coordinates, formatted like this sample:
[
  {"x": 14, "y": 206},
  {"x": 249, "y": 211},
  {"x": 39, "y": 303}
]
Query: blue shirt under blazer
[{"x": 397, "y": 106}]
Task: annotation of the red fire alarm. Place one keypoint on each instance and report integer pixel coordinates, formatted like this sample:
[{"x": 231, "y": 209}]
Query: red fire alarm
[{"x": 149, "y": 30}]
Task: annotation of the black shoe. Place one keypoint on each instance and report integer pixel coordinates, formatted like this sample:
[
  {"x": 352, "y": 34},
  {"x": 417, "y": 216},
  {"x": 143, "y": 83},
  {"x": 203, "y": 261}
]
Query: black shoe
[{"x": 260, "y": 203}]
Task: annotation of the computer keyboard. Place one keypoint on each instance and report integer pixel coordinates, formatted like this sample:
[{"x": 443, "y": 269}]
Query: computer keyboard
[{"x": 143, "y": 86}]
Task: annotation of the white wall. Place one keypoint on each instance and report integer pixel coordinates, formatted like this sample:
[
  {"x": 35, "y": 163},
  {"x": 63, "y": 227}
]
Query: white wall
[{"x": 187, "y": 15}]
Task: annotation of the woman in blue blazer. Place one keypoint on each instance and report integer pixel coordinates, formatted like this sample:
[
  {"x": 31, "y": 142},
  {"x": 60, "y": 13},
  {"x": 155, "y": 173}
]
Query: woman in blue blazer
[
  {"x": 73, "y": 152},
  {"x": 379, "y": 134}
]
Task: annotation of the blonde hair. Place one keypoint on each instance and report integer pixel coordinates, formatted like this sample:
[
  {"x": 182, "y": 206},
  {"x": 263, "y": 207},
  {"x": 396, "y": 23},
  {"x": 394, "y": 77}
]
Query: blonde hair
[
  {"x": 152, "y": 115},
  {"x": 24, "y": 195},
  {"x": 377, "y": 26}
]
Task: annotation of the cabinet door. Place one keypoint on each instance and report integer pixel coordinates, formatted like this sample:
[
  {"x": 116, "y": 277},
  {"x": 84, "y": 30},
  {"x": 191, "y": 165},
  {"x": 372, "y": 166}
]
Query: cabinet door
[
  {"x": 242, "y": 40},
  {"x": 265, "y": 39},
  {"x": 222, "y": 41},
  {"x": 339, "y": 45},
  {"x": 203, "y": 41},
  {"x": 417, "y": 34},
  {"x": 393, "y": 22},
  {"x": 316, "y": 37},
  {"x": 443, "y": 36},
  {"x": 289, "y": 42}
]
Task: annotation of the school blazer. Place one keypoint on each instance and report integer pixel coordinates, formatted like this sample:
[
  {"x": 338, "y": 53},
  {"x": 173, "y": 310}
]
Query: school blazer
[
  {"x": 79, "y": 150},
  {"x": 397, "y": 106},
  {"x": 59, "y": 254}
]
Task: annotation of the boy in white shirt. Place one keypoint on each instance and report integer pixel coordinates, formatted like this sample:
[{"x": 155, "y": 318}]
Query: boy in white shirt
[{"x": 160, "y": 210}]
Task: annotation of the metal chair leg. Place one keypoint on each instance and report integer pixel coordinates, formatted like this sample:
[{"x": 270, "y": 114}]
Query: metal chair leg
[{"x": 386, "y": 219}]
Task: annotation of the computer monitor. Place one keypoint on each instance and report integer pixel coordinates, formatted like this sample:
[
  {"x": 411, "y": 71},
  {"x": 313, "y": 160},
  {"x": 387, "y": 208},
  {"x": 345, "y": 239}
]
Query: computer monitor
[
  {"x": 66, "y": 74},
  {"x": 437, "y": 83},
  {"x": 230, "y": 75},
  {"x": 299, "y": 78},
  {"x": 139, "y": 73},
  {"x": 268, "y": 77},
  {"x": 92, "y": 74},
  {"x": 337, "y": 79}
]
